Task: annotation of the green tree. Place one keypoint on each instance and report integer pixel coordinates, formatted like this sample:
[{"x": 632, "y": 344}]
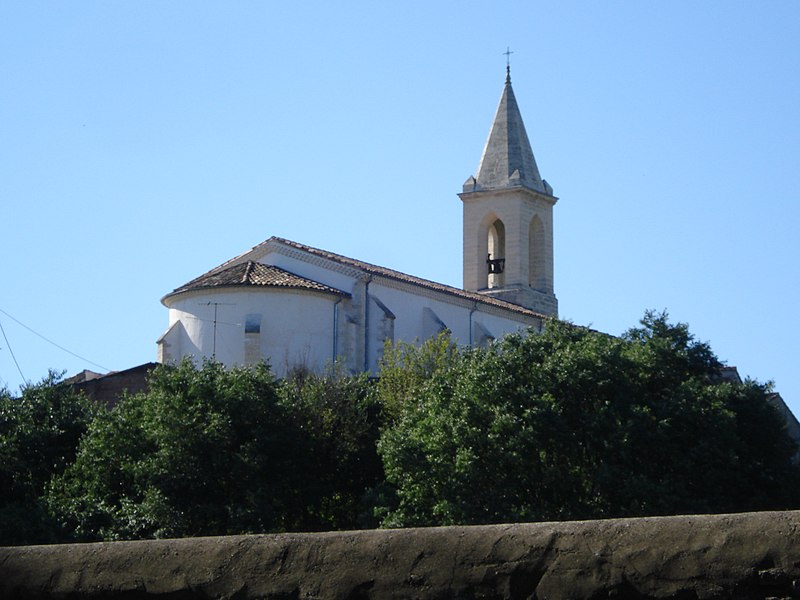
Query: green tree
[
  {"x": 702, "y": 444},
  {"x": 39, "y": 435},
  {"x": 405, "y": 369},
  {"x": 572, "y": 423},
  {"x": 211, "y": 451},
  {"x": 339, "y": 419},
  {"x": 206, "y": 451}
]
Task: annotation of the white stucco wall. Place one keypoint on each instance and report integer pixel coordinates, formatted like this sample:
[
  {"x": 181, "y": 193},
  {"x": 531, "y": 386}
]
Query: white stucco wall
[
  {"x": 412, "y": 323},
  {"x": 295, "y": 327}
]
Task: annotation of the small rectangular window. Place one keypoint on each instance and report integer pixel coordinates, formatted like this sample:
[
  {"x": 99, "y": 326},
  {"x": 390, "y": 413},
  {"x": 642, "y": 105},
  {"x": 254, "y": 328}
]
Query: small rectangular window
[{"x": 252, "y": 324}]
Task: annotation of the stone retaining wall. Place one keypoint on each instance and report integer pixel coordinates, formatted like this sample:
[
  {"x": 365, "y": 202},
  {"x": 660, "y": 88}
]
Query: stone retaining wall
[{"x": 754, "y": 555}]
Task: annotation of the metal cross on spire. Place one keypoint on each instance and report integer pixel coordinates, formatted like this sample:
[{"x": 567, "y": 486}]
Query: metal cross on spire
[{"x": 508, "y": 54}]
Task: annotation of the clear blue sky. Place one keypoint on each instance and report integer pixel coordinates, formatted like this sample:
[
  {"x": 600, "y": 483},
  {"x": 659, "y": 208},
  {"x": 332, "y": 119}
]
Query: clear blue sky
[{"x": 143, "y": 143}]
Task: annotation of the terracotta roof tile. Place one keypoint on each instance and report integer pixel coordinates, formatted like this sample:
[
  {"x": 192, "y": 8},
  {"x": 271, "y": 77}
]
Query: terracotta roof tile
[{"x": 252, "y": 273}]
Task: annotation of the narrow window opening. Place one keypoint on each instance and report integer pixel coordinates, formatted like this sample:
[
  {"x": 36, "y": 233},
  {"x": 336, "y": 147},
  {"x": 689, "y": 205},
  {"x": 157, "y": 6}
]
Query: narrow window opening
[
  {"x": 537, "y": 277},
  {"x": 252, "y": 339}
]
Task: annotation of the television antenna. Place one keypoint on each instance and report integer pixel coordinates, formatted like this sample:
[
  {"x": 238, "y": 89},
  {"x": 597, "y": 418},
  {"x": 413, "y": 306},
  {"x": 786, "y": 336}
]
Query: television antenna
[{"x": 216, "y": 305}]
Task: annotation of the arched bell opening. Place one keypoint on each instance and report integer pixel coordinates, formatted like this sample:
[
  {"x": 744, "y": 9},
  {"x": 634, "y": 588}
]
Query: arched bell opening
[{"x": 496, "y": 257}]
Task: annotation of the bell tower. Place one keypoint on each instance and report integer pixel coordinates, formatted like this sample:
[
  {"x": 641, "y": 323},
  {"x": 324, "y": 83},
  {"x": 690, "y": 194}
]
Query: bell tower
[{"x": 508, "y": 217}]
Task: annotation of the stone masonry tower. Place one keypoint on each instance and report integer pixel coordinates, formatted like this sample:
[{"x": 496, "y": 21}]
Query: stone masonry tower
[{"x": 508, "y": 217}]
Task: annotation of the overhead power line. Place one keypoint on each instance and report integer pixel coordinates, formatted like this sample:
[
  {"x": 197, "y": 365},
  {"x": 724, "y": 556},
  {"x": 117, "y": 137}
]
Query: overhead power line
[
  {"x": 49, "y": 341},
  {"x": 5, "y": 337}
]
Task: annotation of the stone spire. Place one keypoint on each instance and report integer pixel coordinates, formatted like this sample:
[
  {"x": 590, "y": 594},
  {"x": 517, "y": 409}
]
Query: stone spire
[{"x": 507, "y": 159}]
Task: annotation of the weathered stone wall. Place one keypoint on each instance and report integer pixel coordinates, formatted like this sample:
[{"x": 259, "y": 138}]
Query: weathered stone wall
[{"x": 755, "y": 555}]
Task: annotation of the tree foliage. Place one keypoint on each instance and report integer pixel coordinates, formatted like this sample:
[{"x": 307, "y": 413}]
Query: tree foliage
[
  {"x": 210, "y": 451},
  {"x": 339, "y": 418},
  {"x": 572, "y": 423},
  {"x": 39, "y": 433}
]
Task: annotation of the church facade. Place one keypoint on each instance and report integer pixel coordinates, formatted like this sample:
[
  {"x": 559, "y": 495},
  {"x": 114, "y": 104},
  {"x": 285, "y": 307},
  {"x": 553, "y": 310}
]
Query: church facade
[{"x": 299, "y": 306}]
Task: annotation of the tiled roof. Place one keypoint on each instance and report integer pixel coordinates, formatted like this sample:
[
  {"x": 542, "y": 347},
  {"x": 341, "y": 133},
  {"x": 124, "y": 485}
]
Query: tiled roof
[
  {"x": 398, "y": 276},
  {"x": 252, "y": 273}
]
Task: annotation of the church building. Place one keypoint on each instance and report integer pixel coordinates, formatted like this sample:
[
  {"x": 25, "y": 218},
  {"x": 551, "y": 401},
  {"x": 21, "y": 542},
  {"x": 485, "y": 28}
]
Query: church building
[{"x": 299, "y": 306}]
